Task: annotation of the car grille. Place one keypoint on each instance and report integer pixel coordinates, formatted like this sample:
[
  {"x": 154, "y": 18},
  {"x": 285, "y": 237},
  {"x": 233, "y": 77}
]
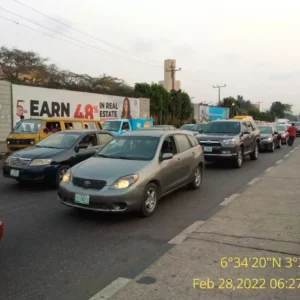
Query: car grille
[
  {"x": 20, "y": 141},
  {"x": 209, "y": 143},
  {"x": 89, "y": 183},
  {"x": 19, "y": 162}
]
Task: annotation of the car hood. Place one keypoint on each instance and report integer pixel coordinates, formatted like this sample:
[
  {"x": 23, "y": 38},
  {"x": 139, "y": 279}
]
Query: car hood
[
  {"x": 108, "y": 169},
  {"x": 37, "y": 152},
  {"x": 215, "y": 136},
  {"x": 265, "y": 135}
]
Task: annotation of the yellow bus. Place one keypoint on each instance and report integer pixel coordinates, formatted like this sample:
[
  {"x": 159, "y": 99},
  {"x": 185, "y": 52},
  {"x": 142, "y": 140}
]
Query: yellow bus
[{"x": 243, "y": 117}]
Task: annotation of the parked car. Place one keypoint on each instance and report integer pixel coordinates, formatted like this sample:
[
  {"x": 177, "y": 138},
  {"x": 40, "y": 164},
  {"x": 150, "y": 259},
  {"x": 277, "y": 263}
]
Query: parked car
[
  {"x": 49, "y": 159},
  {"x": 1, "y": 230},
  {"x": 230, "y": 139},
  {"x": 270, "y": 139},
  {"x": 282, "y": 129},
  {"x": 133, "y": 171}
]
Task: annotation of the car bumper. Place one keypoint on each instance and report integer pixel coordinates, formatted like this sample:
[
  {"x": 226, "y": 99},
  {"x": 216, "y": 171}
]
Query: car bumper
[
  {"x": 219, "y": 157},
  {"x": 265, "y": 145},
  {"x": 32, "y": 174},
  {"x": 104, "y": 200}
]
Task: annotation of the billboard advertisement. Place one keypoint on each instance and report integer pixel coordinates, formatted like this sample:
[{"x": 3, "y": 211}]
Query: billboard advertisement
[
  {"x": 35, "y": 102},
  {"x": 215, "y": 113}
]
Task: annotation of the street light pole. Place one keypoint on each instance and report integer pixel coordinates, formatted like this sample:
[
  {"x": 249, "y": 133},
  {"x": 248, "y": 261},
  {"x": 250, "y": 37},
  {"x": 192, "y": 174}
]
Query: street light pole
[{"x": 219, "y": 87}]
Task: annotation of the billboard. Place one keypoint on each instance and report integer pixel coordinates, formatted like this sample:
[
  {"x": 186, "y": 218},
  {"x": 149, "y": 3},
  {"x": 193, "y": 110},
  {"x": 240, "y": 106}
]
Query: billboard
[
  {"x": 215, "y": 113},
  {"x": 35, "y": 102},
  {"x": 204, "y": 113}
]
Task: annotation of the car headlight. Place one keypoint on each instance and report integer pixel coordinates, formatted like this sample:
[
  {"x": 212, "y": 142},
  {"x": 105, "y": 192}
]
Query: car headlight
[
  {"x": 8, "y": 142},
  {"x": 229, "y": 142},
  {"x": 124, "y": 182},
  {"x": 67, "y": 176},
  {"x": 269, "y": 139},
  {"x": 41, "y": 162}
]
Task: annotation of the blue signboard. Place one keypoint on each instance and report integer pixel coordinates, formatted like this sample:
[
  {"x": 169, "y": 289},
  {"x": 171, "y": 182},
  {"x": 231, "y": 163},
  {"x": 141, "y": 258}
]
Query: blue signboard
[{"x": 215, "y": 113}]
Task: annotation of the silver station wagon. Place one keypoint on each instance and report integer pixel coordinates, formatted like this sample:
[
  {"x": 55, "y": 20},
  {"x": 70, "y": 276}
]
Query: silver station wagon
[{"x": 133, "y": 171}]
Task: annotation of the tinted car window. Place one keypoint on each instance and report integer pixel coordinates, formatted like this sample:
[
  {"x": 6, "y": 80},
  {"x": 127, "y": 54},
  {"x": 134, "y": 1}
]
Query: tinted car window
[
  {"x": 59, "y": 140},
  {"x": 265, "y": 129},
  {"x": 193, "y": 140},
  {"x": 182, "y": 142},
  {"x": 169, "y": 146},
  {"x": 223, "y": 127}
]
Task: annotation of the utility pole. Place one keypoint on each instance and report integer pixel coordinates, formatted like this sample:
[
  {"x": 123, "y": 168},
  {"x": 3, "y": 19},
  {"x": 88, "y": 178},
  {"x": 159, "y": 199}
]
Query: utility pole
[
  {"x": 173, "y": 71},
  {"x": 219, "y": 87}
]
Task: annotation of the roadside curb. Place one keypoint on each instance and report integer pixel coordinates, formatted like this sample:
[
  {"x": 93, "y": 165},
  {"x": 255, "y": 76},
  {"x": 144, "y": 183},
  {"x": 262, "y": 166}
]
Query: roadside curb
[{"x": 114, "y": 287}]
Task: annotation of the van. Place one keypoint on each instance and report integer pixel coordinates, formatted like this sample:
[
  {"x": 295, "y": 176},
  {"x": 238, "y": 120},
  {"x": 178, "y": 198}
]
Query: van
[
  {"x": 29, "y": 132},
  {"x": 243, "y": 117}
]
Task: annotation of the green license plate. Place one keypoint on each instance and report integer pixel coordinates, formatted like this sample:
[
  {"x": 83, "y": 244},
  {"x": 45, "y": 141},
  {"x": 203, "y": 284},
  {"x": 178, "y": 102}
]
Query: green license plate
[
  {"x": 207, "y": 149},
  {"x": 82, "y": 199}
]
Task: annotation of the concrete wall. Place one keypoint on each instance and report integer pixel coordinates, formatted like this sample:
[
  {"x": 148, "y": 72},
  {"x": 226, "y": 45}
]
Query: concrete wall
[
  {"x": 5, "y": 113},
  {"x": 144, "y": 108}
]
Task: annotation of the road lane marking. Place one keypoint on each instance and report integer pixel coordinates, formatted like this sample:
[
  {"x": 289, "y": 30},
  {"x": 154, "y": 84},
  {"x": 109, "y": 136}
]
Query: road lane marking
[
  {"x": 111, "y": 289},
  {"x": 252, "y": 181},
  {"x": 178, "y": 239},
  {"x": 292, "y": 151},
  {"x": 269, "y": 169},
  {"x": 229, "y": 199},
  {"x": 287, "y": 155},
  {"x": 279, "y": 162}
]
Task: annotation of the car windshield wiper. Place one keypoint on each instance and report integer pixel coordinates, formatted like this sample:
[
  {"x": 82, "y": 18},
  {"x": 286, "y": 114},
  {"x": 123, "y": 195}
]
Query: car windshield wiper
[{"x": 50, "y": 147}]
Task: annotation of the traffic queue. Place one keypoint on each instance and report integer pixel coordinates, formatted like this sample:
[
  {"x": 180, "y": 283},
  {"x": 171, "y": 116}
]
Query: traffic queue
[{"x": 129, "y": 164}]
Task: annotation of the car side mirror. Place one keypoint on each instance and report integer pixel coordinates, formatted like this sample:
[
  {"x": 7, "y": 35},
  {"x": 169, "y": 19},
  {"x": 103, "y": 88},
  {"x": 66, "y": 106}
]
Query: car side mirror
[
  {"x": 200, "y": 131},
  {"x": 167, "y": 156}
]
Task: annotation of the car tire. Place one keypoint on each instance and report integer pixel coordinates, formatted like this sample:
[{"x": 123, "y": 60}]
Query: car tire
[
  {"x": 272, "y": 147},
  {"x": 149, "y": 201},
  {"x": 60, "y": 173},
  {"x": 197, "y": 181},
  {"x": 255, "y": 152},
  {"x": 279, "y": 144},
  {"x": 238, "y": 162}
]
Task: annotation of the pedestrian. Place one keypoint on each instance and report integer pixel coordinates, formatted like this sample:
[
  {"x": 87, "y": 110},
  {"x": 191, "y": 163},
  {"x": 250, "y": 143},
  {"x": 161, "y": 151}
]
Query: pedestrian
[{"x": 292, "y": 134}]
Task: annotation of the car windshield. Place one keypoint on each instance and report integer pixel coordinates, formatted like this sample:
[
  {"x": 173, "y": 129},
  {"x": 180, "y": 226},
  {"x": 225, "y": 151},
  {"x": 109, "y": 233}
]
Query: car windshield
[
  {"x": 130, "y": 148},
  {"x": 60, "y": 140},
  {"x": 199, "y": 127},
  {"x": 31, "y": 126},
  {"x": 112, "y": 125},
  {"x": 187, "y": 127},
  {"x": 223, "y": 127},
  {"x": 265, "y": 129},
  {"x": 280, "y": 128}
]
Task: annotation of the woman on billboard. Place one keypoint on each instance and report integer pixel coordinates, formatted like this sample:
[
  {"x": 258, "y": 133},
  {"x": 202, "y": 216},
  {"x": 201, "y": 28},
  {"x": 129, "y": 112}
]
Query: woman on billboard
[{"x": 126, "y": 113}]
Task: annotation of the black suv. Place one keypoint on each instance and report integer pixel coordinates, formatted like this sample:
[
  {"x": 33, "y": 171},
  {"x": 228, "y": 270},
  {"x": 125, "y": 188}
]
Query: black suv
[{"x": 230, "y": 140}]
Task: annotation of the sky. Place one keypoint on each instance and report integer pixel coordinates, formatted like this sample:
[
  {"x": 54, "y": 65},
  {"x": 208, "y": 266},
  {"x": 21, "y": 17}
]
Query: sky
[{"x": 251, "y": 46}]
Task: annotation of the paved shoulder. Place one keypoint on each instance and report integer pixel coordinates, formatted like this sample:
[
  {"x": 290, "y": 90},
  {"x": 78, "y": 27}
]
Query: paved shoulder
[{"x": 249, "y": 250}]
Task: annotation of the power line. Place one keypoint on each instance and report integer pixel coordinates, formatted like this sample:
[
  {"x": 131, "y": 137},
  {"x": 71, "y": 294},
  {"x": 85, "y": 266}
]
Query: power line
[
  {"x": 86, "y": 34},
  {"x": 76, "y": 40},
  {"x": 54, "y": 37}
]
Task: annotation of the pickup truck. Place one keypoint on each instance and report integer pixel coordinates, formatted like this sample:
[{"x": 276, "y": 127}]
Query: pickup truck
[{"x": 120, "y": 126}]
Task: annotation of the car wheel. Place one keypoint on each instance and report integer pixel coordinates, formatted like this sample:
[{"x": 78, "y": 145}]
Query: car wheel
[
  {"x": 239, "y": 158},
  {"x": 279, "y": 144},
  {"x": 272, "y": 147},
  {"x": 149, "y": 201},
  {"x": 254, "y": 154},
  {"x": 196, "y": 183},
  {"x": 60, "y": 174}
]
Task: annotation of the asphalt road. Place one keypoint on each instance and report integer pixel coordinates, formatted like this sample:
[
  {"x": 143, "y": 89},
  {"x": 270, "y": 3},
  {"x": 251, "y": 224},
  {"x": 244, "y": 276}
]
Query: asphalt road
[{"x": 52, "y": 252}]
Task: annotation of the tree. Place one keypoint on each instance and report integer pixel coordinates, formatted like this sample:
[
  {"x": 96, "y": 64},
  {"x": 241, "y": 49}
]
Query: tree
[
  {"x": 29, "y": 68},
  {"x": 280, "y": 109},
  {"x": 14, "y": 64}
]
